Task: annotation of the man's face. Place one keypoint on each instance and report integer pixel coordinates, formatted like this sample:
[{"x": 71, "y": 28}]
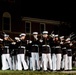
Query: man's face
[
  {"x": 56, "y": 38},
  {"x": 35, "y": 35},
  {"x": 5, "y": 38},
  {"x": 45, "y": 35},
  {"x": 22, "y": 37},
  {"x": 68, "y": 41}
]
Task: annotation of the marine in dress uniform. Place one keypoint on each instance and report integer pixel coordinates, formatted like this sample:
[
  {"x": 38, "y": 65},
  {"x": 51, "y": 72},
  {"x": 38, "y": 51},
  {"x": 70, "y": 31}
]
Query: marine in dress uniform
[
  {"x": 53, "y": 52},
  {"x": 1, "y": 52},
  {"x": 6, "y": 59},
  {"x": 58, "y": 52},
  {"x": 35, "y": 51},
  {"x": 22, "y": 46},
  {"x": 46, "y": 51},
  {"x": 69, "y": 49},
  {"x": 14, "y": 49},
  {"x": 64, "y": 64}
]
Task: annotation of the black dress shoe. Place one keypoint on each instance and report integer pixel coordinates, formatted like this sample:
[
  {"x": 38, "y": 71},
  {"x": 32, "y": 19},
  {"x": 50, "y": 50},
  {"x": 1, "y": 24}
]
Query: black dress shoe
[
  {"x": 62, "y": 69},
  {"x": 26, "y": 70},
  {"x": 45, "y": 71},
  {"x": 54, "y": 71},
  {"x": 50, "y": 70},
  {"x": 39, "y": 70},
  {"x": 67, "y": 70},
  {"x": 8, "y": 69},
  {"x": 58, "y": 70}
]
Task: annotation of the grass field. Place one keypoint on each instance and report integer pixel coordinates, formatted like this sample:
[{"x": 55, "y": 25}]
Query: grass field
[
  {"x": 10, "y": 72},
  {"x": 36, "y": 73}
]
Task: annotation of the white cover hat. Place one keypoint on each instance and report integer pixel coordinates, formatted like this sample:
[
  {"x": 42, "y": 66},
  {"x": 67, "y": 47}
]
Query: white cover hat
[
  {"x": 45, "y": 32},
  {"x": 56, "y": 35},
  {"x": 61, "y": 37},
  {"x": 35, "y": 32},
  {"x": 22, "y": 34},
  {"x": 5, "y": 35},
  {"x": 68, "y": 39}
]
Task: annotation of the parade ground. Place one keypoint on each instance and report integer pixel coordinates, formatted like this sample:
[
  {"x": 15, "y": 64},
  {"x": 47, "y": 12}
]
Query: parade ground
[{"x": 36, "y": 73}]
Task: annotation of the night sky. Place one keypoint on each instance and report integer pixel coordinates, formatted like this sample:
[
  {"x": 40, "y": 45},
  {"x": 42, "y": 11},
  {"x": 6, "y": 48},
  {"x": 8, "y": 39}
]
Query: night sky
[
  {"x": 61, "y": 11},
  {"x": 48, "y": 9},
  {"x": 64, "y": 11}
]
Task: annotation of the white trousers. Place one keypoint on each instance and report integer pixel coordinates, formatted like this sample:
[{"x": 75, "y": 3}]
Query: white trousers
[
  {"x": 35, "y": 60},
  {"x": 69, "y": 62},
  {"x": 45, "y": 59},
  {"x": 65, "y": 62},
  {"x": 6, "y": 62},
  {"x": 14, "y": 62},
  {"x": 31, "y": 67},
  {"x": 53, "y": 61},
  {"x": 29, "y": 62},
  {"x": 40, "y": 62},
  {"x": 58, "y": 61},
  {"x": 21, "y": 61}
]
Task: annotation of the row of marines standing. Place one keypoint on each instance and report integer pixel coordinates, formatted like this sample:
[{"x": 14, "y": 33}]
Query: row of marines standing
[{"x": 47, "y": 52}]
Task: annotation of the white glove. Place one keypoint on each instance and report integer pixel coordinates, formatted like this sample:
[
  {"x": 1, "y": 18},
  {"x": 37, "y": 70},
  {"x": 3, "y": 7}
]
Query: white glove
[
  {"x": 17, "y": 38},
  {"x": 61, "y": 42},
  {"x": 27, "y": 41},
  {"x": 30, "y": 41},
  {"x": 67, "y": 39},
  {"x": 70, "y": 44},
  {"x": 13, "y": 43},
  {"x": 1, "y": 39},
  {"x": 41, "y": 40}
]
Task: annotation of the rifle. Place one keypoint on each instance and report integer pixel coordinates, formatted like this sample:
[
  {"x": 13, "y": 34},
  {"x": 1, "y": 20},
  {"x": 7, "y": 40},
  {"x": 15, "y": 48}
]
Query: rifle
[{"x": 9, "y": 38}]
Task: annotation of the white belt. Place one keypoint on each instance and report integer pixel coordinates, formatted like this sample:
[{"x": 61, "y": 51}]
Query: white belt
[
  {"x": 69, "y": 50},
  {"x": 6, "y": 46},
  {"x": 53, "y": 47},
  {"x": 21, "y": 46},
  {"x": 46, "y": 45},
  {"x": 57, "y": 47},
  {"x": 64, "y": 48},
  {"x": 35, "y": 45}
]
